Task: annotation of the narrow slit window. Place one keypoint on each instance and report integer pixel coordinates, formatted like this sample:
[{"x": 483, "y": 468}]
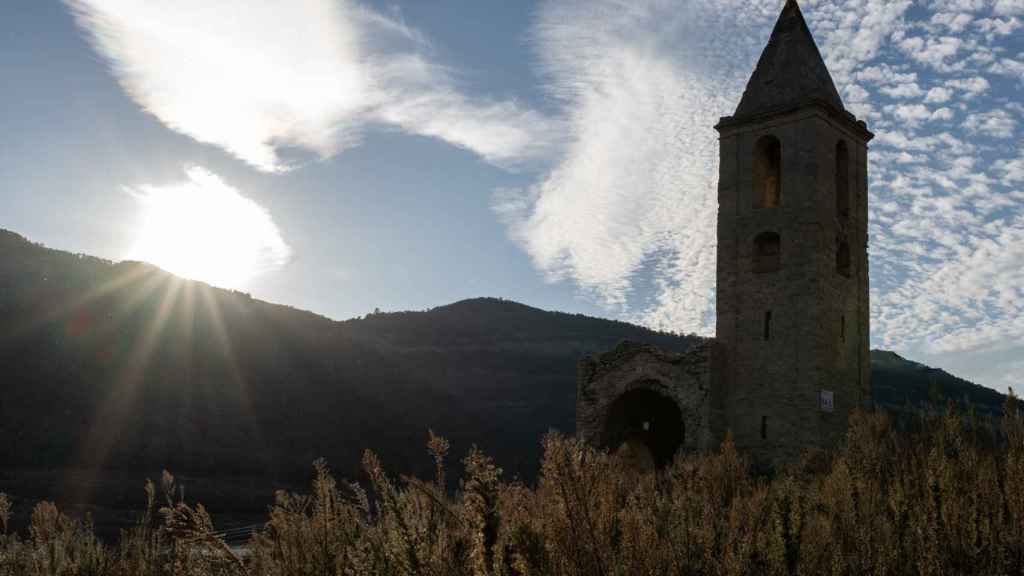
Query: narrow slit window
[
  {"x": 768, "y": 325},
  {"x": 842, "y": 328},
  {"x": 764, "y": 427}
]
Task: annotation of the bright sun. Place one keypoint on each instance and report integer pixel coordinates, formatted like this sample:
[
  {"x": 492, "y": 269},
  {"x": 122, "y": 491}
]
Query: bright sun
[{"x": 203, "y": 229}]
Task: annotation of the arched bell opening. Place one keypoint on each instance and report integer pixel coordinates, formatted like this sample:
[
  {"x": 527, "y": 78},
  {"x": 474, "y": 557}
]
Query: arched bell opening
[
  {"x": 647, "y": 425},
  {"x": 767, "y": 172},
  {"x": 842, "y": 186}
]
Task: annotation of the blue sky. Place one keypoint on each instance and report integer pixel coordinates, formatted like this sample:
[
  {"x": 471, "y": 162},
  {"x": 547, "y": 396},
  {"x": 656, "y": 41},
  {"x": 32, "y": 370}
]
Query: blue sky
[{"x": 340, "y": 156}]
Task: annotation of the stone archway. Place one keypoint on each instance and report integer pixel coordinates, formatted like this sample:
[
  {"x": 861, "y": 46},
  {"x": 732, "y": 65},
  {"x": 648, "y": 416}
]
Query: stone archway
[{"x": 646, "y": 425}]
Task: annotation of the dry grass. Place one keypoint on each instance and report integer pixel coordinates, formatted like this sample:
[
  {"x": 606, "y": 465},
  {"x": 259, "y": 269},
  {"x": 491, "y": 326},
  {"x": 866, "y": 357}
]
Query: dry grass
[{"x": 946, "y": 499}]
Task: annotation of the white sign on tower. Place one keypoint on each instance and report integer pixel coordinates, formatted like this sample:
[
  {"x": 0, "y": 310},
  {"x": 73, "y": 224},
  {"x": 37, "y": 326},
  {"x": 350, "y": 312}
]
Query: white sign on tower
[{"x": 827, "y": 401}]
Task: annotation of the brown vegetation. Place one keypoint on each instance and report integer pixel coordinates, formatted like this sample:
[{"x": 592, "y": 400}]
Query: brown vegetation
[{"x": 946, "y": 498}]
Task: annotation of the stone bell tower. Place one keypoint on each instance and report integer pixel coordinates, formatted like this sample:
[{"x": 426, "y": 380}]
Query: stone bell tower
[
  {"x": 792, "y": 301},
  {"x": 790, "y": 357}
]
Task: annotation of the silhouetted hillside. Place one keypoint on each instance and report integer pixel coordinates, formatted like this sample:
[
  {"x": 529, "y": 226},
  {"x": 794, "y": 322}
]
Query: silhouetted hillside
[
  {"x": 899, "y": 384},
  {"x": 125, "y": 367}
]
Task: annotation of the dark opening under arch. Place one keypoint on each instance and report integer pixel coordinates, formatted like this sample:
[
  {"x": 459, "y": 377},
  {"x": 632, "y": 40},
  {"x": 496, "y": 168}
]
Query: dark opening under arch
[
  {"x": 649, "y": 418},
  {"x": 767, "y": 172}
]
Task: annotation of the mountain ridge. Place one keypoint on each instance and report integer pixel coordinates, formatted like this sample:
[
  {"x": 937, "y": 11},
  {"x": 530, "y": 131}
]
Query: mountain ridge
[{"x": 126, "y": 368}]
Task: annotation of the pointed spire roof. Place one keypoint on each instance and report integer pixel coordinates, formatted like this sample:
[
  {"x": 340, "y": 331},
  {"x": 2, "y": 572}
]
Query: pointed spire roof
[{"x": 790, "y": 71}]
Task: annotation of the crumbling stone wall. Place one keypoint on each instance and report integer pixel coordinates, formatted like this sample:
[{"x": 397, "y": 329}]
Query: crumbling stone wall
[{"x": 682, "y": 379}]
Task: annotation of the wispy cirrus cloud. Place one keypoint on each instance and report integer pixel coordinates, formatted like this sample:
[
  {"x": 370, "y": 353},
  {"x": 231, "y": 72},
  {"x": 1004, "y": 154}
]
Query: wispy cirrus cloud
[
  {"x": 628, "y": 213},
  {"x": 946, "y": 215},
  {"x": 256, "y": 78},
  {"x": 627, "y": 210}
]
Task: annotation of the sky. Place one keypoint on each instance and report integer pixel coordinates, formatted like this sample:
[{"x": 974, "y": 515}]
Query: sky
[{"x": 341, "y": 156}]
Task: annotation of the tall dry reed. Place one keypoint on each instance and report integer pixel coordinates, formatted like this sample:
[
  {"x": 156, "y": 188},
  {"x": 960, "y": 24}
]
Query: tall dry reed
[{"x": 946, "y": 497}]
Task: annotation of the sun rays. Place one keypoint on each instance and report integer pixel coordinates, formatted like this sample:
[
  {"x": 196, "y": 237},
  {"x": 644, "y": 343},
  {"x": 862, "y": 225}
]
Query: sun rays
[
  {"x": 171, "y": 309},
  {"x": 146, "y": 323}
]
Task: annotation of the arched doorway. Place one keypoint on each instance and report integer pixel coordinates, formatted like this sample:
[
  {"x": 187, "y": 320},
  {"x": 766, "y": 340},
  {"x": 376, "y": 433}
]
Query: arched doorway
[{"x": 644, "y": 418}]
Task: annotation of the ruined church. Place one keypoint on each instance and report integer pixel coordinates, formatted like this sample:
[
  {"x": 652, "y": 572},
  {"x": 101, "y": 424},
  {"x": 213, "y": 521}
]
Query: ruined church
[{"x": 789, "y": 360}]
